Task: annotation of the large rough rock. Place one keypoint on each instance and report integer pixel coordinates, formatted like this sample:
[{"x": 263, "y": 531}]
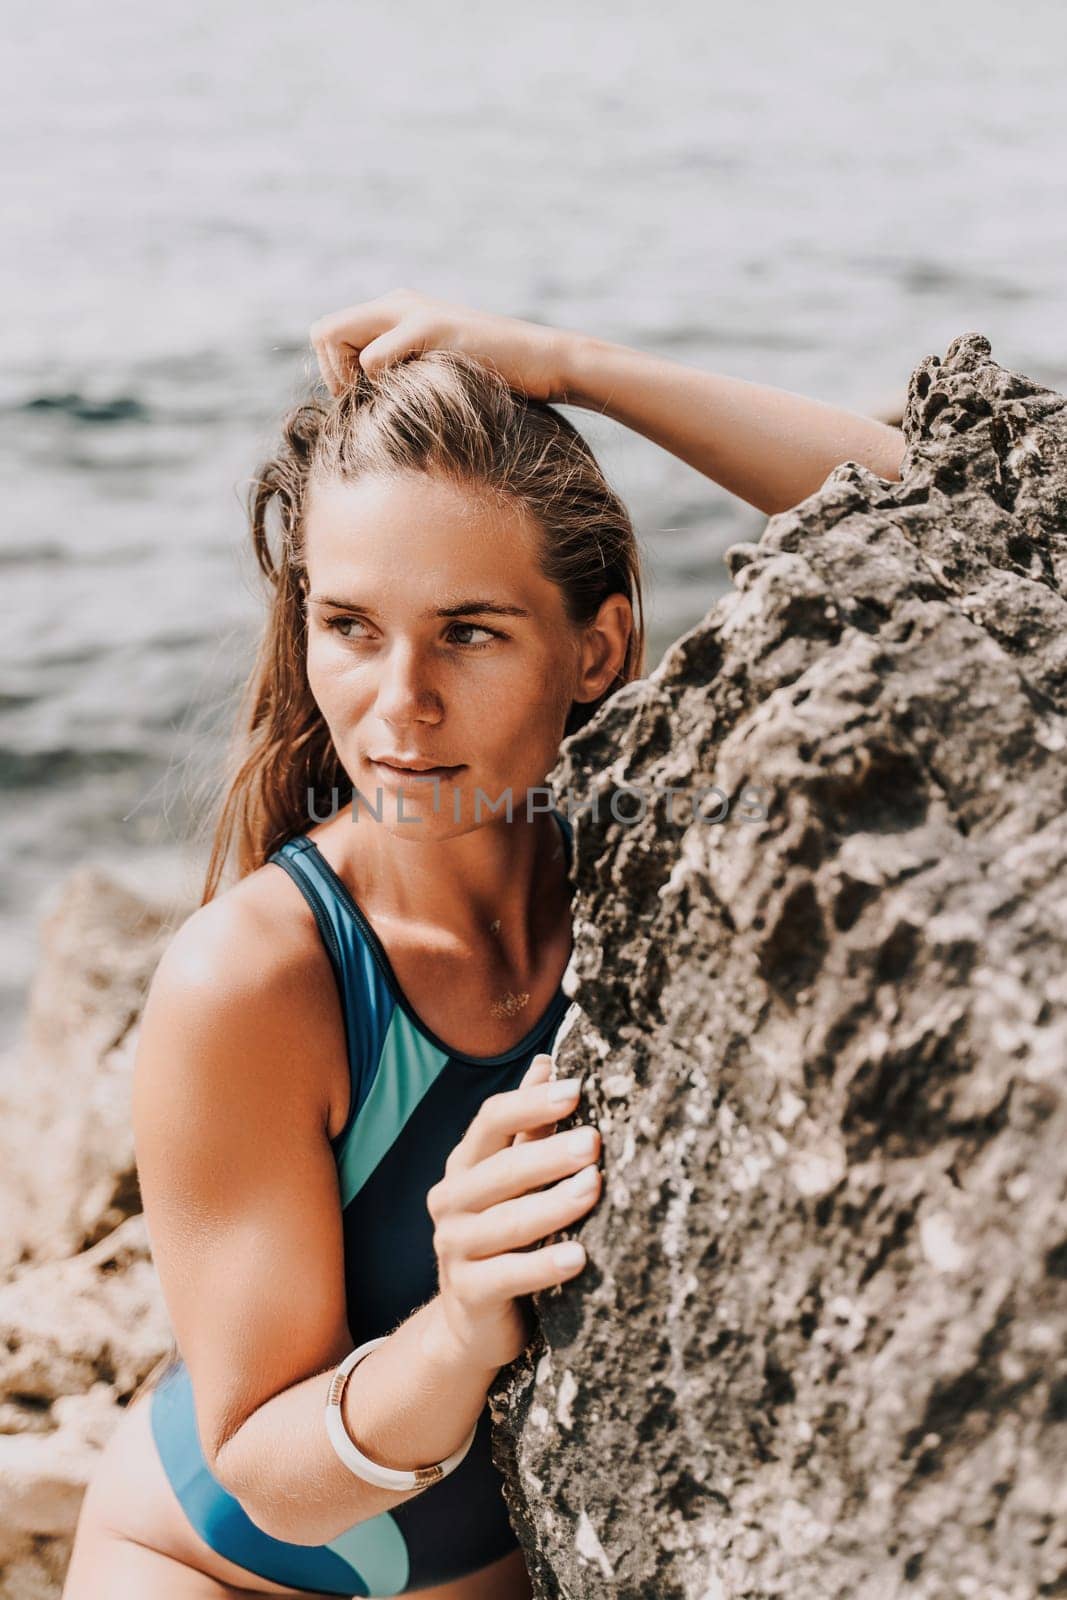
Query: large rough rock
[{"x": 818, "y": 1349}]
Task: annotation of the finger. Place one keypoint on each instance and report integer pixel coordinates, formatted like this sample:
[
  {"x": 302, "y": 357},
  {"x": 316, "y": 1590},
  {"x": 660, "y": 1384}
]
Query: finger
[
  {"x": 356, "y": 324},
  {"x": 546, "y": 1068},
  {"x": 511, "y": 1173},
  {"x": 345, "y": 358},
  {"x": 521, "y": 1272},
  {"x": 326, "y": 368},
  {"x": 538, "y": 1071},
  {"x": 352, "y": 328},
  {"x": 390, "y": 347},
  {"x": 502, "y": 1116},
  {"x": 526, "y": 1218},
  {"x": 531, "y": 1135}
]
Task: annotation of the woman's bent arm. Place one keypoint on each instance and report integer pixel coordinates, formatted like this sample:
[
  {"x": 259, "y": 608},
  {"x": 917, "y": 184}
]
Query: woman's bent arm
[
  {"x": 767, "y": 446},
  {"x": 241, "y": 1200},
  {"x": 408, "y": 1404}
]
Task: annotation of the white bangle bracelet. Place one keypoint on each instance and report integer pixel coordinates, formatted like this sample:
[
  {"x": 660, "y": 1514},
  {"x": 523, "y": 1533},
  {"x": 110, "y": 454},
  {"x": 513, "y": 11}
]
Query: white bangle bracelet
[{"x": 354, "y": 1459}]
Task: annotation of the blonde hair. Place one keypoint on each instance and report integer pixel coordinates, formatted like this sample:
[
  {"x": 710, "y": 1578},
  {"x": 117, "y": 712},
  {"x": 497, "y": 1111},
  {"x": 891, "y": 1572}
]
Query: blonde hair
[{"x": 444, "y": 413}]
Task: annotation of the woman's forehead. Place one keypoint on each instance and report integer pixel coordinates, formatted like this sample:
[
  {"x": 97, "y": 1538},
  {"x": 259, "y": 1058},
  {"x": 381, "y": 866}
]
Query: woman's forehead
[
  {"x": 408, "y": 500},
  {"x": 415, "y": 533}
]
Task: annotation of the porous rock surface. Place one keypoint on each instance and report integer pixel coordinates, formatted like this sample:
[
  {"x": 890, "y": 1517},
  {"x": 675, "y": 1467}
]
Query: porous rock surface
[
  {"x": 82, "y": 1319},
  {"x": 818, "y": 1349}
]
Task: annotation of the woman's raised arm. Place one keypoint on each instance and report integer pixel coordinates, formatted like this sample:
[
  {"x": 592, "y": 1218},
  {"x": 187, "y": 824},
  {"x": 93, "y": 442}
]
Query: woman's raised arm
[{"x": 767, "y": 446}]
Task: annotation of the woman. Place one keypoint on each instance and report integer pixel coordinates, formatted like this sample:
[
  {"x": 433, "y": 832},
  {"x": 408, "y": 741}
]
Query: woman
[{"x": 343, "y": 1113}]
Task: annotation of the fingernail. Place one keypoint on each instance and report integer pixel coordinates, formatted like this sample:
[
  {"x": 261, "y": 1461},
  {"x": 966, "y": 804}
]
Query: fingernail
[
  {"x": 582, "y": 1141},
  {"x": 578, "y": 1182},
  {"x": 566, "y": 1089}
]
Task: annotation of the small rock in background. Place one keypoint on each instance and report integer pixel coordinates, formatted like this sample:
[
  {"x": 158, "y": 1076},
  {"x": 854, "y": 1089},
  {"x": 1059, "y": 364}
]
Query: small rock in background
[{"x": 82, "y": 1321}]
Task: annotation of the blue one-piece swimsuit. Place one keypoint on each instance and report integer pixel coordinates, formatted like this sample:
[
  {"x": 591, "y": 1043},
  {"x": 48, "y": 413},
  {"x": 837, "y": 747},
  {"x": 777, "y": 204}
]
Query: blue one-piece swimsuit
[{"x": 412, "y": 1100}]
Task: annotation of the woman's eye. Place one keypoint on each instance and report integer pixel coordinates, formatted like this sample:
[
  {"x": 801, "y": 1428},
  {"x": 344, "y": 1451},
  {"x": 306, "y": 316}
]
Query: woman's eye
[
  {"x": 473, "y": 627},
  {"x": 340, "y": 624}
]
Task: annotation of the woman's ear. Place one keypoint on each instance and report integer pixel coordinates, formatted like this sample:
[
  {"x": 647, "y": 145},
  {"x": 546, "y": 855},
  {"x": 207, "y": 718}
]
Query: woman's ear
[{"x": 603, "y": 647}]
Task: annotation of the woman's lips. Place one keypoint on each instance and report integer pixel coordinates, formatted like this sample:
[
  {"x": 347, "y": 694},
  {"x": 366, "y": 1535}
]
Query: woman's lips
[{"x": 409, "y": 772}]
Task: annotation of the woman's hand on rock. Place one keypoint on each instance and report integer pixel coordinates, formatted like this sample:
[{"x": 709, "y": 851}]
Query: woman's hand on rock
[
  {"x": 373, "y": 333},
  {"x": 498, "y": 1200}
]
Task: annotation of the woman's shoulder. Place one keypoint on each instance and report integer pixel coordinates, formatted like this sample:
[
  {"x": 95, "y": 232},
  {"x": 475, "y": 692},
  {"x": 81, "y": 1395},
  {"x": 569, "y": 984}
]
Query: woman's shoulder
[
  {"x": 245, "y": 976},
  {"x": 254, "y": 944}
]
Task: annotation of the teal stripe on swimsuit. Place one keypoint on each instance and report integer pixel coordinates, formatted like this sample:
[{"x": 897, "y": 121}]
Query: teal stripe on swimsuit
[{"x": 369, "y": 1559}]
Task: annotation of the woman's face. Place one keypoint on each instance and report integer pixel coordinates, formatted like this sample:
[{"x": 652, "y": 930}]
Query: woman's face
[{"x": 485, "y": 690}]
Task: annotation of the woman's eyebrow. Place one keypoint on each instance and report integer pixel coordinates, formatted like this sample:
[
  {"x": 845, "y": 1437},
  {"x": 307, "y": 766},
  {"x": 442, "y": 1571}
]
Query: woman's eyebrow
[{"x": 466, "y": 608}]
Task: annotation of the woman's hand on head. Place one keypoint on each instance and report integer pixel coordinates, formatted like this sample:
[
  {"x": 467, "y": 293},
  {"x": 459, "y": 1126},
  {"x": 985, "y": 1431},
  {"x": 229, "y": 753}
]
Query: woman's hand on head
[{"x": 374, "y": 333}]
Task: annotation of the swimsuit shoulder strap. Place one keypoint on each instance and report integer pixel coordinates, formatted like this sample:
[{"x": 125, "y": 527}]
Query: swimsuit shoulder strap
[{"x": 366, "y": 1002}]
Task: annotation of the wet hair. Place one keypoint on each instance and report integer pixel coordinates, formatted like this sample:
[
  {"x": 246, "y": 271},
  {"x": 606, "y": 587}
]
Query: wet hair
[{"x": 441, "y": 413}]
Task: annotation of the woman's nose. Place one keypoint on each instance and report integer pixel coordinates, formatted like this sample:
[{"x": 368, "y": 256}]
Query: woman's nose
[{"x": 405, "y": 687}]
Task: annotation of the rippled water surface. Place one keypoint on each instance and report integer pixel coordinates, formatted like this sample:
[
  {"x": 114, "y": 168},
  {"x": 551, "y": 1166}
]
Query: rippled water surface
[{"x": 814, "y": 197}]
